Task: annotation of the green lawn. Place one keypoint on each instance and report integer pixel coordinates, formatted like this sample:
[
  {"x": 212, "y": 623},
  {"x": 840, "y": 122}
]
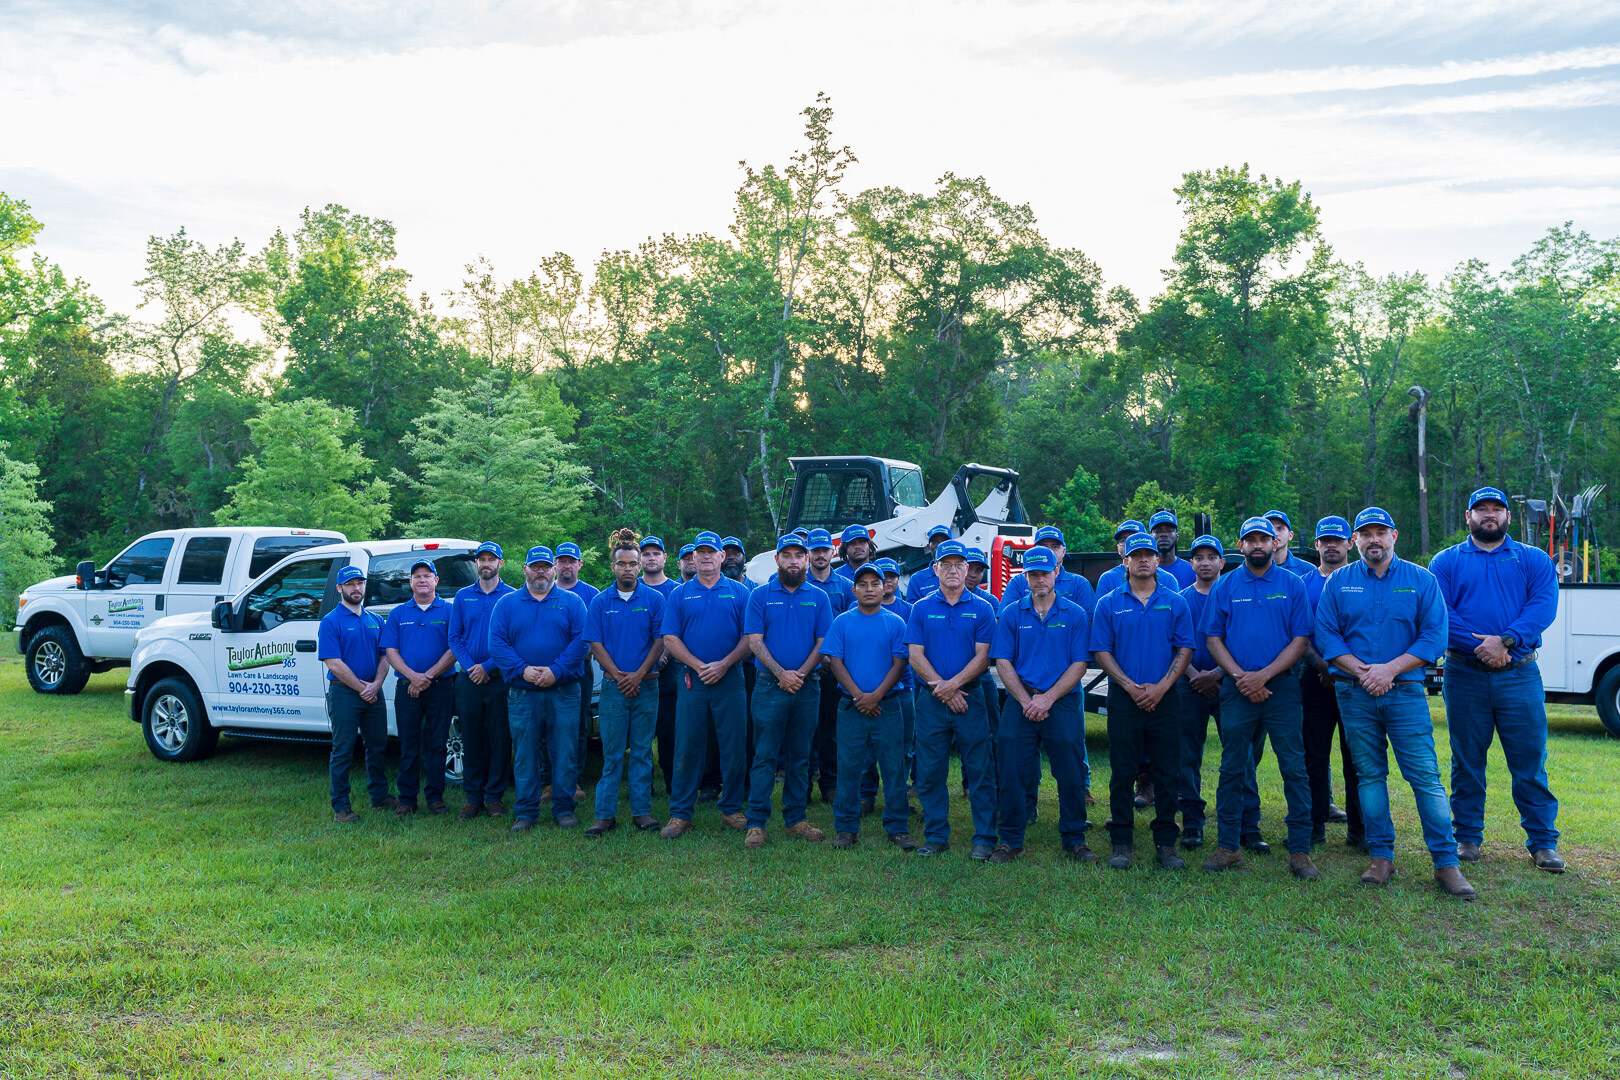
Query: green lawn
[{"x": 211, "y": 920}]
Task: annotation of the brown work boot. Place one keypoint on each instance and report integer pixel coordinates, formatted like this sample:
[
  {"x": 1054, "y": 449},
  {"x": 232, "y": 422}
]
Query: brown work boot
[
  {"x": 470, "y": 811},
  {"x": 1450, "y": 878},
  {"x": 806, "y": 831},
  {"x": 1300, "y": 865},
  {"x": 545, "y": 793},
  {"x": 1223, "y": 859},
  {"x": 676, "y": 827},
  {"x": 754, "y": 838},
  {"x": 404, "y": 808},
  {"x": 496, "y": 808},
  {"x": 579, "y": 794},
  {"x": 903, "y": 841},
  {"x": 738, "y": 821},
  {"x": 644, "y": 822},
  {"x": 1378, "y": 872},
  {"x": 345, "y": 817},
  {"x": 1144, "y": 791},
  {"x": 437, "y": 807},
  {"x": 600, "y": 826}
]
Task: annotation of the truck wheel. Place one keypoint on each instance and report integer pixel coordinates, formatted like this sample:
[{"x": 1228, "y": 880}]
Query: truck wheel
[
  {"x": 1608, "y": 701},
  {"x": 174, "y": 725},
  {"x": 455, "y": 754},
  {"x": 55, "y": 664}
]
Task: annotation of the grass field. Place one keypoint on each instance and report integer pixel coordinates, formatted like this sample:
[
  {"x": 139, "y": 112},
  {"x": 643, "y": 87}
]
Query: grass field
[{"x": 211, "y": 920}]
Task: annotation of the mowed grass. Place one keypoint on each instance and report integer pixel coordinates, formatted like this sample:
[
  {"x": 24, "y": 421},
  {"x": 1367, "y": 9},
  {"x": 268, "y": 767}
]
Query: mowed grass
[{"x": 211, "y": 920}]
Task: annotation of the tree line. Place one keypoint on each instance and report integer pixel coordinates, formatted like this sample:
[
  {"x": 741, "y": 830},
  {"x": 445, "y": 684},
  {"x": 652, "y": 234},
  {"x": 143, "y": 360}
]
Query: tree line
[{"x": 304, "y": 384}]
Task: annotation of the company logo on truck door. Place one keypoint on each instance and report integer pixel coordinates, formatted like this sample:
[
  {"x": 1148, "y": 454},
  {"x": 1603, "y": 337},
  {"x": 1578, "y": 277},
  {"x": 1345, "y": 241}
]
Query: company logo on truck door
[
  {"x": 271, "y": 653},
  {"x": 116, "y": 606}
]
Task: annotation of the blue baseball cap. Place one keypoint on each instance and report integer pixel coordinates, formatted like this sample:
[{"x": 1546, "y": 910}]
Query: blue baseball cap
[
  {"x": 974, "y": 555},
  {"x": 1039, "y": 558},
  {"x": 732, "y": 541},
  {"x": 706, "y": 539},
  {"x": 1278, "y": 515},
  {"x": 569, "y": 548},
  {"x": 940, "y": 530},
  {"x": 819, "y": 538},
  {"x": 1210, "y": 542},
  {"x": 687, "y": 550},
  {"x": 490, "y": 547},
  {"x": 539, "y": 553},
  {"x": 867, "y": 568},
  {"x": 1129, "y": 526},
  {"x": 1374, "y": 515},
  {"x": 434, "y": 570},
  {"x": 1257, "y": 525},
  {"x": 949, "y": 548},
  {"x": 889, "y": 566},
  {"x": 855, "y": 532},
  {"x": 1164, "y": 517},
  {"x": 1049, "y": 532},
  {"x": 1141, "y": 541},
  {"x": 1485, "y": 493},
  {"x": 787, "y": 540},
  {"x": 349, "y": 573},
  {"x": 651, "y": 541},
  {"x": 1333, "y": 525}
]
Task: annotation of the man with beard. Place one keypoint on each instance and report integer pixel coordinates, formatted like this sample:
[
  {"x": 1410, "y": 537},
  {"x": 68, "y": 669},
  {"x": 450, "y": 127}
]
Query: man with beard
[
  {"x": 1379, "y": 622},
  {"x": 856, "y": 547},
  {"x": 355, "y": 670},
  {"x": 569, "y": 561},
  {"x": 733, "y": 564},
  {"x": 1501, "y": 596},
  {"x": 1166, "y": 530},
  {"x": 1321, "y": 704},
  {"x": 1200, "y": 690},
  {"x": 908, "y": 687},
  {"x": 925, "y": 581},
  {"x": 824, "y": 755},
  {"x": 686, "y": 562},
  {"x": 1284, "y": 555},
  {"x": 486, "y": 741},
  {"x": 653, "y": 559}
]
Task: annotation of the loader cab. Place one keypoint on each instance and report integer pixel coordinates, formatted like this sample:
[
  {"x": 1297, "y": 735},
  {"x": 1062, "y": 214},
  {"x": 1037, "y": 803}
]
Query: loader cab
[{"x": 834, "y": 492}]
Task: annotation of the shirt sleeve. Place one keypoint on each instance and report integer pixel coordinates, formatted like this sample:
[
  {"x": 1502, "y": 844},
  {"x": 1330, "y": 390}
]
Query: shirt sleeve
[
  {"x": 669, "y": 622},
  {"x": 389, "y": 638},
  {"x": 1004, "y": 645},
  {"x": 914, "y": 628},
  {"x": 1080, "y": 638},
  {"x": 1299, "y": 609},
  {"x": 1181, "y": 628},
  {"x": 1102, "y": 630},
  {"x": 832, "y": 643},
  {"x": 824, "y": 616},
  {"x": 459, "y": 645},
  {"x": 754, "y": 619},
  {"x": 897, "y": 639},
  {"x": 1431, "y": 620},
  {"x": 573, "y": 662},
  {"x": 1329, "y": 636},
  {"x": 1087, "y": 598},
  {"x": 985, "y": 631},
  {"x": 501, "y": 649},
  {"x": 1216, "y": 609},
  {"x": 327, "y": 642},
  {"x": 1540, "y": 601},
  {"x": 593, "y": 619}
]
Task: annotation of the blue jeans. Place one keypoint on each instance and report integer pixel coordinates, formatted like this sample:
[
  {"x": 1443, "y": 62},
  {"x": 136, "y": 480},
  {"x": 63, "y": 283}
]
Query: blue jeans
[
  {"x": 549, "y": 717},
  {"x": 1282, "y": 718},
  {"x": 627, "y": 725},
  {"x": 724, "y": 706},
  {"x": 936, "y": 725},
  {"x": 354, "y": 719},
  {"x": 878, "y": 740},
  {"x": 423, "y": 723},
  {"x": 1018, "y": 763},
  {"x": 784, "y": 728},
  {"x": 1196, "y": 713},
  {"x": 1483, "y": 704},
  {"x": 908, "y": 738},
  {"x": 1402, "y": 718}
]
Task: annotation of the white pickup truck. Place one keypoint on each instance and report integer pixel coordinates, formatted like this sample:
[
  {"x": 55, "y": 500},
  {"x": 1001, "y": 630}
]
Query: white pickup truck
[
  {"x": 1580, "y": 652},
  {"x": 69, "y": 628}
]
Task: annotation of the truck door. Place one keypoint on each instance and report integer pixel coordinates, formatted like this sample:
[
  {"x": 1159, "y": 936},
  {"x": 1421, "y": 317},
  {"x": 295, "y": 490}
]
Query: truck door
[
  {"x": 134, "y": 597},
  {"x": 199, "y": 579},
  {"x": 267, "y": 673}
]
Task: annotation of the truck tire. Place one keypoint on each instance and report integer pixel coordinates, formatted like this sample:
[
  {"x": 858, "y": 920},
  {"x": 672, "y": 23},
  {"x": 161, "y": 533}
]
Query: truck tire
[
  {"x": 1608, "y": 701},
  {"x": 455, "y": 754},
  {"x": 174, "y": 724},
  {"x": 55, "y": 664}
]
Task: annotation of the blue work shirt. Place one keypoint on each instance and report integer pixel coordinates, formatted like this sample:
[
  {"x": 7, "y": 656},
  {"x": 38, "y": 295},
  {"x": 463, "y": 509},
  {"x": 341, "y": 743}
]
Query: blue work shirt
[
  {"x": 1377, "y": 619},
  {"x": 469, "y": 624},
  {"x": 1182, "y": 571},
  {"x": 838, "y": 590},
  {"x": 1118, "y": 578},
  {"x": 707, "y": 619},
  {"x": 586, "y": 593},
  {"x": 948, "y": 633},
  {"x": 626, "y": 629},
  {"x": 421, "y": 636},
  {"x": 789, "y": 623},
  {"x": 1143, "y": 637},
  {"x": 1512, "y": 590},
  {"x": 1041, "y": 650},
  {"x": 1296, "y": 566},
  {"x": 1066, "y": 585},
  {"x": 1257, "y": 615},
  {"x": 900, "y": 608},
  {"x": 921, "y": 583},
  {"x": 847, "y": 572},
  {"x": 666, "y": 589},
  {"x": 1195, "y": 608},
  {"x": 549, "y": 633},
  {"x": 868, "y": 645},
  {"x": 353, "y": 639}
]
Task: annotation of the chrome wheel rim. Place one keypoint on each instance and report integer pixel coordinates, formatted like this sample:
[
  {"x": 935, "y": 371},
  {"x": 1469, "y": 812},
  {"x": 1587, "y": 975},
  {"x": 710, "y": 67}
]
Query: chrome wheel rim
[
  {"x": 455, "y": 754},
  {"x": 50, "y": 663},
  {"x": 170, "y": 722}
]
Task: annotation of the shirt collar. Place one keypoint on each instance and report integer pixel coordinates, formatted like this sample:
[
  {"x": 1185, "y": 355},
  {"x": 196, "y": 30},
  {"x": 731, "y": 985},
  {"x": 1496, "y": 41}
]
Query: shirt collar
[{"x": 1473, "y": 548}]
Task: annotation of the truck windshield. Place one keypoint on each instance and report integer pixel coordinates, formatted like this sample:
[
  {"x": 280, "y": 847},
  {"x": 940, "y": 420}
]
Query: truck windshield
[
  {"x": 388, "y": 577},
  {"x": 906, "y": 485}
]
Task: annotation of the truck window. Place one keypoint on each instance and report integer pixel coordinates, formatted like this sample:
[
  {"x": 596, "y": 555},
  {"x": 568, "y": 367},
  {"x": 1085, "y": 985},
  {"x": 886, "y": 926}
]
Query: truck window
[
  {"x": 269, "y": 550},
  {"x": 292, "y": 593},
  {"x": 203, "y": 561},
  {"x": 835, "y": 499},
  {"x": 388, "y": 577},
  {"x": 142, "y": 564},
  {"x": 907, "y": 487}
]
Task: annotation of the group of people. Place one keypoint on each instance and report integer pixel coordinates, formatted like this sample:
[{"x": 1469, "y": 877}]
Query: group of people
[{"x": 827, "y": 675}]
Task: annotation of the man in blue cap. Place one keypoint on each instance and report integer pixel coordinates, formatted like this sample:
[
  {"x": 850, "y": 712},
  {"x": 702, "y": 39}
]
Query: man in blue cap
[
  {"x": 486, "y": 738},
  {"x": 1501, "y": 596},
  {"x": 734, "y": 560},
  {"x": 784, "y": 626},
  {"x": 1380, "y": 620},
  {"x": 925, "y": 581},
  {"x": 686, "y": 564},
  {"x": 1117, "y": 576},
  {"x": 569, "y": 561},
  {"x": 1041, "y": 650},
  {"x": 621, "y": 624},
  {"x": 1166, "y": 530},
  {"x": 416, "y": 640},
  {"x": 734, "y": 565},
  {"x": 1258, "y": 622},
  {"x": 1283, "y": 556},
  {"x": 653, "y": 559},
  {"x": 949, "y": 638},
  {"x": 867, "y": 653},
  {"x": 824, "y": 752},
  {"x": 1142, "y": 635},
  {"x": 1072, "y": 587},
  {"x": 355, "y": 670},
  {"x": 908, "y": 686},
  {"x": 1321, "y": 704},
  {"x": 703, "y": 628},
  {"x": 537, "y": 637},
  {"x": 856, "y": 546}
]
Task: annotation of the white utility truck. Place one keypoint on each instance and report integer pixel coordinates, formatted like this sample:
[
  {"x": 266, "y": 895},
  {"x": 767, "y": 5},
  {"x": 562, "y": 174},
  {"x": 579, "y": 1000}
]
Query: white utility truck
[{"x": 1580, "y": 652}]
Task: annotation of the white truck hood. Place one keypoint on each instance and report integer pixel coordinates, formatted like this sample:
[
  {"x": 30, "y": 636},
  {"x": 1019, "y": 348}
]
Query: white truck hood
[{"x": 66, "y": 583}]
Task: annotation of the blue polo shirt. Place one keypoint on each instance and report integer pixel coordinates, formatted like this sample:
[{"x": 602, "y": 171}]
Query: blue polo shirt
[
  {"x": 1195, "y": 608},
  {"x": 921, "y": 583},
  {"x": 586, "y": 593},
  {"x": 1066, "y": 585},
  {"x": 667, "y": 588},
  {"x": 353, "y": 639},
  {"x": 789, "y": 623},
  {"x": 1117, "y": 578},
  {"x": 1041, "y": 650},
  {"x": 1513, "y": 589},
  {"x": 1297, "y": 566},
  {"x": 708, "y": 620},
  {"x": 1143, "y": 637},
  {"x": 1182, "y": 571},
  {"x": 949, "y": 632},
  {"x": 1257, "y": 615},
  {"x": 838, "y": 590},
  {"x": 420, "y": 635},
  {"x": 626, "y": 629},
  {"x": 868, "y": 645},
  {"x": 1377, "y": 619},
  {"x": 847, "y": 572},
  {"x": 469, "y": 625},
  {"x": 550, "y": 633},
  {"x": 902, "y": 610}
]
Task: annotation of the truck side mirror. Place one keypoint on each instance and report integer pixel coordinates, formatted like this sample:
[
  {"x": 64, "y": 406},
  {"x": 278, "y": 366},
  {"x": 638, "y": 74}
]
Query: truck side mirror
[
  {"x": 221, "y": 619},
  {"x": 86, "y": 574}
]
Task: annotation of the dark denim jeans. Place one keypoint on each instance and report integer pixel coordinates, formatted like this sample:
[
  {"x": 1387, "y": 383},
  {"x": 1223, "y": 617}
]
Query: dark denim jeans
[
  {"x": 1401, "y": 720},
  {"x": 1281, "y": 718},
  {"x": 936, "y": 727},
  {"x": 1321, "y": 708},
  {"x": 784, "y": 728},
  {"x": 698, "y": 707},
  {"x": 1018, "y": 763},
  {"x": 908, "y": 723},
  {"x": 1479, "y": 706},
  {"x": 1131, "y": 733},
  {"x": 486, "y": 740},
  {"x": 354, "y": 719},
  {"x": 864, "y": 740},
  {"x": 627, "y": 731},
  {"x": 423, "y": 723},
  {"x": 547, "y": 717}
]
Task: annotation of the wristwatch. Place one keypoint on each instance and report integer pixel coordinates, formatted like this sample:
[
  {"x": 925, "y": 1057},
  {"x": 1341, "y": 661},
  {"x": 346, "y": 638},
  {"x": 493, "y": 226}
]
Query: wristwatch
[{"x": 1509, "y": 642}]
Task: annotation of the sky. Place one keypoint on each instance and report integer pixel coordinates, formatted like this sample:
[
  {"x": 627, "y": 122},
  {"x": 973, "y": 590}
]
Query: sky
[{"x": 1428, "y": 132}]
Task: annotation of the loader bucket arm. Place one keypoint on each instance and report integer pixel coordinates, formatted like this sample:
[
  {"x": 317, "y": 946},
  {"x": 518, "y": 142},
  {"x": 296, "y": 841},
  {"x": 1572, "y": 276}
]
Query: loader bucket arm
[{"x": 1005, "y": 492}]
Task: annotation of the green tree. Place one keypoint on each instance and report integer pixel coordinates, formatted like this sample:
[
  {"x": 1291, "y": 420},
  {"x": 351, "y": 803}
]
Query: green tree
[
  {"x": 1074, "y": 508},
  {"x": 26, "y": 547},
  {"x": 1151, "y": 498},
  {"x": 304, "y": 473}
]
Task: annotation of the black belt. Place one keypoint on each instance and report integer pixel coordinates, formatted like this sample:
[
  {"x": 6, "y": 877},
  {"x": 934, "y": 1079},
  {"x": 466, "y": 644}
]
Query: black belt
[{"x": 1469, "y": 660}]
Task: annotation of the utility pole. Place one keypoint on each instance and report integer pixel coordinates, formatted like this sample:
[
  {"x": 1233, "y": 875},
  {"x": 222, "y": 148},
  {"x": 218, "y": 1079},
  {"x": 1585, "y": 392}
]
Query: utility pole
[{"x": 1419, "y": 411}]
